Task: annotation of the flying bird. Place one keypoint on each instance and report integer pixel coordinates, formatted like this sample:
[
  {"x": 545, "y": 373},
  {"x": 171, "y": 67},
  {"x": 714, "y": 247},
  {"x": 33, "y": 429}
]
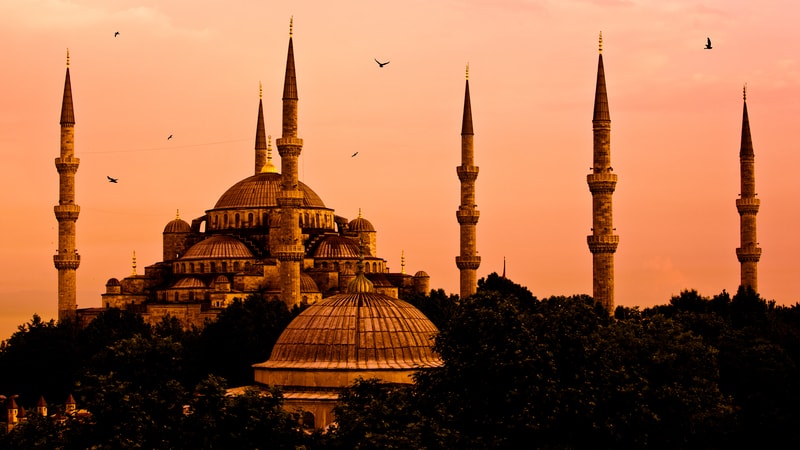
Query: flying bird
[
  {"x": 380, "y": 64},
  {"x": 112, "y": 180},
  {"x": 354, "y": 154},
  {"x": 708, "y": 43},
  {"x": 116, "y": 33},
  {"x": 169, "y": 137}
]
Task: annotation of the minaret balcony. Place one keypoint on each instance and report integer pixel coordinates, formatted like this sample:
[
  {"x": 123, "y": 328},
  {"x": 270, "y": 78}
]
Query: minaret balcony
[
  {"x": 601, "y": 181},
  {"x": 67, "y": 212},
  {"x": 69, "y": 261},
  {"x": 748, "y": 254},
  {"x": 467, "y": 216},
  {"x": 606, "y": 243},
  {"x": 67, "y": 165},
  {"x": 467, "y": 173},
  {"x": 289, "y": 252},
  {"x": 748, "y": 205},
  {"x": 468, "y": 262}
]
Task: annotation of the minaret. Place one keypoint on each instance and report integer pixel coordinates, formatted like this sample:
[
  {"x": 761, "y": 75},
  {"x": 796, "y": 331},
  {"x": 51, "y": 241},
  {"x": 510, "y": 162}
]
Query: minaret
[
  {"x": 290, "y": 250},
  {"x": 602, "y": 242},
  {"x": 67, "y": 259},
  {"x": 747, "y": 204},
  {"x": 261, "y": 141},
  {"x": 468, "y": 261}
]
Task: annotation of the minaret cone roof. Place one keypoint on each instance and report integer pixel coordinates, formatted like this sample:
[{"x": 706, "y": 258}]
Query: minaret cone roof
[
  {"x": 746, "y": 148},
  {"x": 67, "y": 114},
  {"x": 290, "y": 80},
  {"x": 600, "y": 96},
  {"x": 466, "y": 122},
  {"x": 261, "y": 134}
]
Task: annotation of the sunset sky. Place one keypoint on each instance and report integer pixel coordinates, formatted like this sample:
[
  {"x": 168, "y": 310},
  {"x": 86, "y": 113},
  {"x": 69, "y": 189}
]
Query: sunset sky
[{"x": 192, "y": 69}]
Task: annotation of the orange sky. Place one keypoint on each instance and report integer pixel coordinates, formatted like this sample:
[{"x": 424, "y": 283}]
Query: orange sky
[{"x": 192, "y": 69}]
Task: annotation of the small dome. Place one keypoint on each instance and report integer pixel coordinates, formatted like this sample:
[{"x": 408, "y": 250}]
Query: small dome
[
  {"x": 218, "y": 247},
  {"x": 421, "y": 274},
  {"x": 360, "y": 224},
  {"x": 221, "y": 279},
  {"x": 112, "y": 282},
  {"x": 360, "y": 284},
  {"x": 177, "y": 226},
  {"x": 307, "y": 284},
  {"x": 356, "y": 331},
  {"x": 335, "y": 246},
  {"x": 189, "y": 283},
  {"x": 261, "y": 191}
]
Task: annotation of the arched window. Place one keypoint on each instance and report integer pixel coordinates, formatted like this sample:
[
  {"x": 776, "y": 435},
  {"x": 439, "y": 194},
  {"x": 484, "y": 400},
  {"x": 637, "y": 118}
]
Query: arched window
[
  {"x": 307, "y": 421},
  {"x": 374, "y": 267},
  {"x": 191, "y": 267},
  {"x": 224, "y": 266},
  {"x": 250, "y": 220},
  {"x": 236, "y": 266},
  {"x": 201, "y": 267},
  {"x": 225, "y": 220},
  {"x": 213, "y": 267},
  {"x": 236, "y": 220}
]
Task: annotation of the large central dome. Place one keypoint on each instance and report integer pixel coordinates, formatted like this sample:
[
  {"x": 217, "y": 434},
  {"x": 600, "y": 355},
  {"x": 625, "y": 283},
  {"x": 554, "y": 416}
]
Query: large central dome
[{"x": 261, "y": 191}]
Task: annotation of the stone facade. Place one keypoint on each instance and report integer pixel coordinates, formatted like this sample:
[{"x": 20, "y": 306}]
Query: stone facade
[
  {"x": 747, "y": 204},
  {"x": 67, "y": 259},
  {"x": 602, "y": 182},
  {"x": 467, "y": 214}
]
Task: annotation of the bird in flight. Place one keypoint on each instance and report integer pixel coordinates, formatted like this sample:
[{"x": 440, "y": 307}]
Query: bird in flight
[
  {"x": 380, "y": 64},
  {"x": 112, "y": 180},
  {"x": 116, "y": 33},
  {"x": 169, "y": 137},
  {"x": 354, "y": 154},
  {"x": 708, "y": 43}
]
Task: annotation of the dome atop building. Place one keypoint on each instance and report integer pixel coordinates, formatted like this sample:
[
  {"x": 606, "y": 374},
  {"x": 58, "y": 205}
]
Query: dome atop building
[
  {"x": 261, "y": 191},
  {"x": 177, "y": 225},
  {"x": 358, "y": 330},
  {"x": 360, "y": 224},
  {"x": 218, "y": 246},
  {"x": 112, "y": 282},
  {"x": 335, "y": 246},
  {"x": 421, "y": 274}
]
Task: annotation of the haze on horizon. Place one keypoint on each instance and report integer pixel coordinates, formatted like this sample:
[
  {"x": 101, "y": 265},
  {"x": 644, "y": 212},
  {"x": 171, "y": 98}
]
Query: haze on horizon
[{"x": 193, "y": 71}]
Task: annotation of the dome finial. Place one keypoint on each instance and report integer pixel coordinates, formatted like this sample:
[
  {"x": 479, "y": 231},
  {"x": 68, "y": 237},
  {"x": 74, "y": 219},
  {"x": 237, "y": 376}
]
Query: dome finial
[
  {"x": 67, "y": 58},
  {"x": 359, "y": 213},
  {"x": 601, "y": 42},
  {"x": 291, "y": 25},
  {"x": 133, "y": 264},
  {"x": 403, "y": 262},
  {"x": 269, "y": 167},
  {"x": 467, "y": 71},
  {"x": 177, "y": 214}
]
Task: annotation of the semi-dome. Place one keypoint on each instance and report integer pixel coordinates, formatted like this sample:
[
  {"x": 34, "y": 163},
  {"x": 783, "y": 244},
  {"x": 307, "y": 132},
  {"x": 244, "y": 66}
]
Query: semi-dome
[
  {"x": 218, "y": 246},
  {"x": 189, "y": 283},
  {"x": 177, "y": 226},
  {"x": 335, "y": 246},
  {"x": 421, "y": 274},
  {"x": 261, "y": 191},
  {"x": 307, "y": 284}
]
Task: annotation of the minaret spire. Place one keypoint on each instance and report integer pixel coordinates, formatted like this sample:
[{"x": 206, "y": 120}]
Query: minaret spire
[
  {"x": 602, "y": 182},
  {"x": 467, "y": 215},
  {"x": 261, "y": 141},
  {"x": 67, "y": 260},
  {"x": 747, "y": 204},
  {"x": 290, "y": 251}
]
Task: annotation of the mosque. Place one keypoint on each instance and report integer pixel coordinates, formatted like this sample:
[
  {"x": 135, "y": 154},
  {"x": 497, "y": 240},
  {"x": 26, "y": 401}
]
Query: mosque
[{"x": 271, "y": 233}]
